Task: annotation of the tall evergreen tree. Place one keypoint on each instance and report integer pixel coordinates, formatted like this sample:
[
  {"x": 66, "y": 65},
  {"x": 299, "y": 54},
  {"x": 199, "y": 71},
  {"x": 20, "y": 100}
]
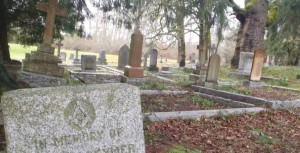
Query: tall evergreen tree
[
  {"x": 283, "y": 39},
  {"x": 253, "y": 22}
]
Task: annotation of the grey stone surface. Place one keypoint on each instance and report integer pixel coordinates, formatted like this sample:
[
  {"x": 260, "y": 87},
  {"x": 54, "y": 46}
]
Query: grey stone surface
[
  {"x": 253, "y": 84},
  {"x": 211, "y": 85},
  {"x": 102, "y": 58},
  {"x": 123, "y": 57},
  {"x": 229, "y": 95},
  {"x": 37, "y": 80},
  {"x": 77, "y": 119},
  {"x": 195, "y": 115},
  {"x": 166, "y": 92},
  {"x": 71, "y": 56},
  {"x": 132, "y": 81},
  {"x": 88, "y": 62},
  {"x": 245, "y": 62},
  {"x": 153, "y": 60},
  {"x": 197, "y": 79},
  {"x": 63, "y": 56},
  {"x": 213, "y": 68}
]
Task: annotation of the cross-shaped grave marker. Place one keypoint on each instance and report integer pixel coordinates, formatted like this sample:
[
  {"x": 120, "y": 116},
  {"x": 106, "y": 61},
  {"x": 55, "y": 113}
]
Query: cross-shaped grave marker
[{"x": 52, "y": 10}]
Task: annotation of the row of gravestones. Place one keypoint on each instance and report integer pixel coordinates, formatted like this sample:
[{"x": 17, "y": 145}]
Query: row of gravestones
[
  {"x": 256, "y": 66},
  {"x": 101, "y": 60}
]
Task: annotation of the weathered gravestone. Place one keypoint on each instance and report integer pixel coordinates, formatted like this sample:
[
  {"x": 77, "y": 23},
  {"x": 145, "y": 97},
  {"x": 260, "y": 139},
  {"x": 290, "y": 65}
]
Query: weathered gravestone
[
  {"x": 213, "y": 70},
  {"x": 153, "y": 60},
  {"x": 88, "y": 62},
  {"x": 42, "y": 66},
  {"x": 71, "y": 57},
  {"x": 245, "y": 62},
  {"x": 103, "y": 118},
  {"x": 146, "y": 55},
  {"x": 256, "y": 70},
  {"x": 59, "y": 44},
  {"x": 133, "y": 72},
  {"x": 123, "y": 57},
  {"x": 102, "y": 58},
  {"x": 257, "y": 65},
  {"x": 76, "y": 60},
  {"x": 63, "y": 56}
]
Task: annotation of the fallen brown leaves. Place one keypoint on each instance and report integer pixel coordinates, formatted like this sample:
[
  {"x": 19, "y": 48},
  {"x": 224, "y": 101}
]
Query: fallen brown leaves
[{"x": 271, "y": 131}]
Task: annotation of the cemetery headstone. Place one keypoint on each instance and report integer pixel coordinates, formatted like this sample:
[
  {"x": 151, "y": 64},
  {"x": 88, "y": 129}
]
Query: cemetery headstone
[
  {"x": 245, "y": 62},
  {"x": 71, "y": 57},
  {"x": 153, "y": 60},
  {"x": 123, "y": 57},
  {"x": 88, "y": 62},
  {"x": 63, "y": 56},
  {"x": 298, "y": 76},
  {"x": 102, "y": 58},
  {"x": 76, "y": 60},
  {"x": 256, "y": 70},
  {"x": 59, "y": 44},
  {"x": 146, "y": 55},
  {"x": 161, "y": 59},
  {"x": 133, "y": 72},
  {"x": 213, "y": 70},
  {"x": 85, "y": 119},
  {"x": 257, "y": 65}
]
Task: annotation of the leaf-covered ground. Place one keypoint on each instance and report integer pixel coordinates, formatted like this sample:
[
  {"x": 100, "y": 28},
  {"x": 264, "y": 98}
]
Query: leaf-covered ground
[
  {"x": 179, "y": 102},
  {"x": 270, "y": 131}
]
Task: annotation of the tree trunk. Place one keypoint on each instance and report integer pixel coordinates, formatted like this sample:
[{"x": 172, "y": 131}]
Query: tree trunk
[
  {"x": 4, "y": 55},
  {"x": 252, "y": 29},
  {"x": 180, "y": 33}
]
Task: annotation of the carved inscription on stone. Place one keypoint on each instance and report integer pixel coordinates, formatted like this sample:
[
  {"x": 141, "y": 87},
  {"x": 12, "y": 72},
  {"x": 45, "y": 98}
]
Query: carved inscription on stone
[{"x": 80, "y": 114}]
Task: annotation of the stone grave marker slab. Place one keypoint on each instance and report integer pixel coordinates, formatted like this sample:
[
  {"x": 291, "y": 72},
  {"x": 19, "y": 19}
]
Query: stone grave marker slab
[
  {"x": 123, "y": 57},
  {"x": 71, "y": 56},
  {"x": 63, "y": 56},
  {"x": 257, "y": 65},
  {"x": 213, "y": 68},
  {"x": 245, "y": 62},
  {"x": 153, "y": 60},
  {"x": 82, "y": 119},
  {"x": 88, "y": 62}
]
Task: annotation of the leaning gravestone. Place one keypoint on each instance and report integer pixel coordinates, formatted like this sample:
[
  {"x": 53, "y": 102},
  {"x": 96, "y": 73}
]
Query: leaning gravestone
[
  {"x": 63, "y": 56},
  {"x": 103, "y": 118},
  {"x": 88, "y": 62},
  {"x": 257, "y": 66},
  {"x": 256, "y": 70},
  {"x": 123, "y": 57},
  {"x": 153, "y": 60},
  {"x": 213, "y": 69}
]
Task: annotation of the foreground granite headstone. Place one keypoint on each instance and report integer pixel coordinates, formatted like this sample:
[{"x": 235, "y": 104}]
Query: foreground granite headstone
[{"x": 82, "y": 119}]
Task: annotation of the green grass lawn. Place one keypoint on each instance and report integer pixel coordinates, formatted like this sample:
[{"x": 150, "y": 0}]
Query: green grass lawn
[{"x": 18, "y": 52}]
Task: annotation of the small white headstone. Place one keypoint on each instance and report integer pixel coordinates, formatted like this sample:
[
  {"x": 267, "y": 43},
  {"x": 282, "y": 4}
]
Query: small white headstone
[{"x": 74, "y": 119}]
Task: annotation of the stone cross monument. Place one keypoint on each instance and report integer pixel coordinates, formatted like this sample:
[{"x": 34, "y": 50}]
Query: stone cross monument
[
  {"x": 52, "y": 10},
  {"x": 43, "y": 61},
  {"x": 59, "y": 44}
]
